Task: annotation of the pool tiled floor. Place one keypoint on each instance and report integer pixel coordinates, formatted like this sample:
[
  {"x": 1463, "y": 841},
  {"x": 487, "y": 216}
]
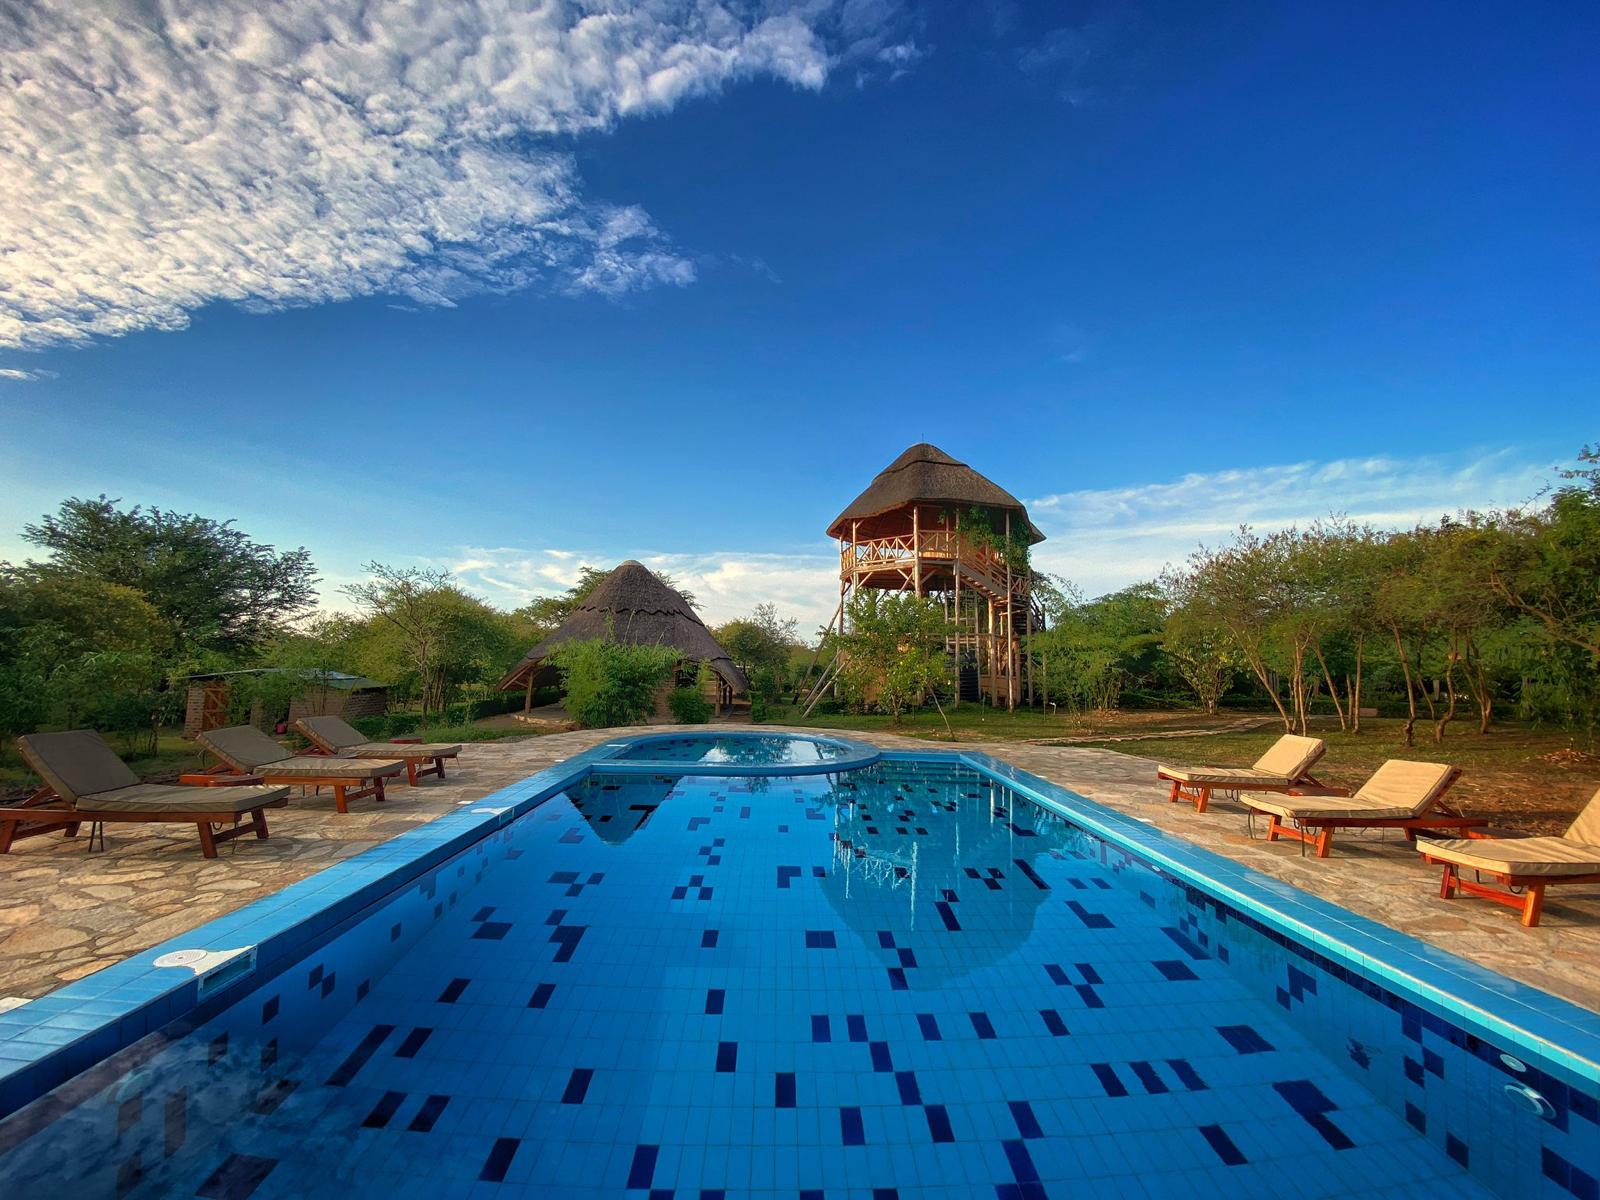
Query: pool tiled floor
[{"x": 910, "y": 987}]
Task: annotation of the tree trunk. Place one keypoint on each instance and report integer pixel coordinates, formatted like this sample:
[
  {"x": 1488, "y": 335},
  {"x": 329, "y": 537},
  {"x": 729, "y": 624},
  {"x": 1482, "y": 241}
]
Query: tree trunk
[
  {"x": 1265, "y": 679},
  {"x": 1450, "y": 689},
  {"x": 1427, "y": 695},
  {"x": 1333, "y": 688},
  {"x": 1355, "y": 692},
  {"x": 1411, "y": 694},
  {"x": 1478, "y": 684}
]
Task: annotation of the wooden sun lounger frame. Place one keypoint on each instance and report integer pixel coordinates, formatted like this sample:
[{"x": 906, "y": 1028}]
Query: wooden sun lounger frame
[
  {"x": 46, "y": 810},
  {"x": 1318, "y": 831},
  {"x": 414, "y": 771},
  {"x": 1199, "y": 794},
  {"x": 344, "y": 789},
  {"x": 1531, "y": 902}
]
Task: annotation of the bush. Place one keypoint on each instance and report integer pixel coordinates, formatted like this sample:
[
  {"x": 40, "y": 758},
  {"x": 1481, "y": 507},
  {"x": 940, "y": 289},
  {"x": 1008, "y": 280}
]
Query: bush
[
  {"x": 689, "y": 705},
  {"x": 758, "y": 708},
  {"x": 401, "y": 724},
  {"x": 610, "y": 683}
]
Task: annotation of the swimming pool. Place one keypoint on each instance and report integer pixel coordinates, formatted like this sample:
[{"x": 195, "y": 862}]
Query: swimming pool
[{"x": 931, "y": 977}]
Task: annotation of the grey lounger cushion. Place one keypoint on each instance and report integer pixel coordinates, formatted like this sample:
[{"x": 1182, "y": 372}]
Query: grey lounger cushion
[
  {"x": 76, "y": 763},
  {"x": 335, "y": 733},
  {"x": 156, "y": 797},
  {"x": 245, "y": 748}
]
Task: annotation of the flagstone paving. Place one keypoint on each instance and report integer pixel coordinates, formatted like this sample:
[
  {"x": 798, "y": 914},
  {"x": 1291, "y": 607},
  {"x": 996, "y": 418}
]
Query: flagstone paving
[{"x": 66, "y": 912}]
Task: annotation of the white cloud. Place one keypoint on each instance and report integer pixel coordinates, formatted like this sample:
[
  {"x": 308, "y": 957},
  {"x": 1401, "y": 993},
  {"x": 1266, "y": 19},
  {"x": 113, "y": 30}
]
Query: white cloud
[
  {"x": 1104, "y": 539},
  {"x": 158, "y": 157},
  {"x": 21, "y": 376}
]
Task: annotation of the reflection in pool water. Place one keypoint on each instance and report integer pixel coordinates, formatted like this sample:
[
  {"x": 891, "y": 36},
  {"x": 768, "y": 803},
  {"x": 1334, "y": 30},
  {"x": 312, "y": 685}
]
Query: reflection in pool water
[{"x": 743, "y": 750}]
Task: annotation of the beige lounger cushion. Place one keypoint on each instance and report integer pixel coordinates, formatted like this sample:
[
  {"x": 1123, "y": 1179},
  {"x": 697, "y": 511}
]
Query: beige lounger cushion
[
  {"x": 1576, "y": 852},
  {"x": 1240, "y": 777},
  {"x": 1518, "y": 856},
  {"x": 403, "y": 750},
  {"x": 156, "y": 797},
  {"x": 1291, "y": 756},
  {"x": 1308, "y": 807},
  {"x": 76, "y": 763},
  {"x": 1586, "y": 828},
  {"x": 1398, "y": 791},
  {"x": 1286, "y": 762}
]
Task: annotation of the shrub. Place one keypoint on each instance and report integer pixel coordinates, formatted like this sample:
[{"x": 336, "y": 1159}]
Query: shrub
[
  {"x": 689, "y": 705},
  {"x": 758, "y": 708},
  {"x": 611, "y": 683},
  {"x": 373, "y": 727},
  {"x": 401, "y": 724}
]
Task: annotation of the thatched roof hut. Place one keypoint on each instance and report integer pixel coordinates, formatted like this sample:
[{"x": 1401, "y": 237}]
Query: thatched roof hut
[
  {"x": 632, "y": 605},
  {"x": 925, "y": 474}
]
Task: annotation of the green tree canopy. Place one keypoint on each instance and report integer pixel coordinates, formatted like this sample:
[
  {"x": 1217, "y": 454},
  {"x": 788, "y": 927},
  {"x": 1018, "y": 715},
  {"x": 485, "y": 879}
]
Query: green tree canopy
[{"x": 215, "y": 586}]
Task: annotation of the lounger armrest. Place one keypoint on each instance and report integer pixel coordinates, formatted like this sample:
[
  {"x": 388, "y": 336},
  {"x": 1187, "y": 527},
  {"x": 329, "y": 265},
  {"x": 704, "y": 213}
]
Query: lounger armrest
[
  {"x": 221, "y": 780},
  {"x": 1317, "y": 789}
]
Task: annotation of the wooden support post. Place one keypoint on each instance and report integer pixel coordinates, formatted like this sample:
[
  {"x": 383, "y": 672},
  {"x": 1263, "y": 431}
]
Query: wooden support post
[
  {"x": 1011, "y": 626},
  {"x": 916, "y": 547},
  {"x": 527, "y": 696}
]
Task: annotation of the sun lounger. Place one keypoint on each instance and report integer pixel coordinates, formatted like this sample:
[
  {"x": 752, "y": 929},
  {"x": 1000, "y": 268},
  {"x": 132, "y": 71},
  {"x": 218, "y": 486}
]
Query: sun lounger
[
  {"x": 1286, "y": 766},
  {"x": 245, "y": 750},
  {"x": 335, "y": 735},
  {"x": 1529, "y": 864},
  {"x": 86, "y": 783},
  {"x": 1400, "y": 795}
]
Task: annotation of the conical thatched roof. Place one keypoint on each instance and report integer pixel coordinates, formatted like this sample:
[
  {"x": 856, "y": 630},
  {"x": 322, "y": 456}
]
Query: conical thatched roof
[
  {"x": 633, "y": 605},
  {"x": 927, "y": 474}
]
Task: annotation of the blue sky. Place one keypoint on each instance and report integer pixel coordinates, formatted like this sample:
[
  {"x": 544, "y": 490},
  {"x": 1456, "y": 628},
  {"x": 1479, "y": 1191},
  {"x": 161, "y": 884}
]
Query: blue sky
[{"x": 510, "y": 295}]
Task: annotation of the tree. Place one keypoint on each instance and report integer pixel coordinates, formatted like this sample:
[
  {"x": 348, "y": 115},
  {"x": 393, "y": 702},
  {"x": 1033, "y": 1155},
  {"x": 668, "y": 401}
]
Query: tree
[
  {"x": 611, "y": 683},
  {"x": 75, "y": 650},
  {"x": 1239, "y": 586},
  {"x": 1203, "y": 652},
  {"x": 1094, "y": 648},
  {"x": 892, "y": 654},
  {"x": 444, "y": 636},
  {"x": 1548, "y": 563},
  {"x": 763, "y": 644},
  {"x": 217, "y": 588}
]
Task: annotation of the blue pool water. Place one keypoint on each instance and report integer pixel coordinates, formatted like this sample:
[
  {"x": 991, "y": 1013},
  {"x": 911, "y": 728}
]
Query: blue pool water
[{"x": 905, "y": 981}]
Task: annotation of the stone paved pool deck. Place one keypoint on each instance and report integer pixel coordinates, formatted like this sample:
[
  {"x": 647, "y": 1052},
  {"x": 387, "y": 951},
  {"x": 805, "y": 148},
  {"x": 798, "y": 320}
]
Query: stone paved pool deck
[{"x": 65, "y": 912}]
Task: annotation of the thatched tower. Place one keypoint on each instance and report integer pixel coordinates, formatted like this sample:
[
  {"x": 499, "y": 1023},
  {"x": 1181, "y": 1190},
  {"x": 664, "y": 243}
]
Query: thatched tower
[
  {"x": 932, "y": 525},
  {"x": 634, "y": 605}
]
